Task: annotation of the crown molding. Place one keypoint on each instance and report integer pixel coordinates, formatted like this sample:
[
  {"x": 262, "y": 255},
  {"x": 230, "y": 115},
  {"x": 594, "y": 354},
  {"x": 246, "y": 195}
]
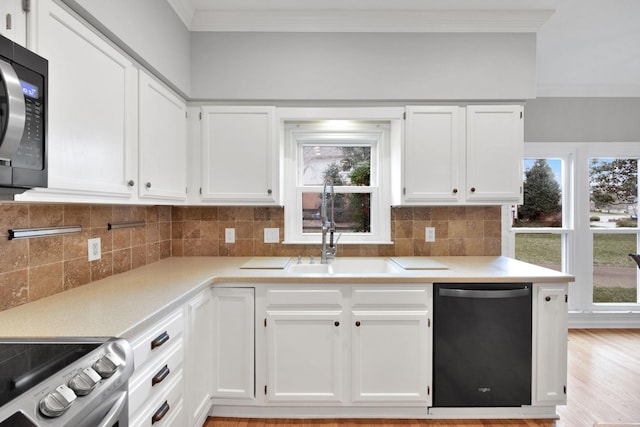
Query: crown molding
[
  {"x": 184, "y": 10},
  {"x": 589, "y": 90},
  {"x": 397, "y": 21}
]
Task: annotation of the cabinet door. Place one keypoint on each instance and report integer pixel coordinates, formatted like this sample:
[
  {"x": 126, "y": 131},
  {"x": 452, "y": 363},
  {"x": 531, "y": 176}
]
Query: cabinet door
[
  {"x": 431, "y": 158},
  {"x": 163, "y": 142},
  {"x": 550, "y": 369},
  {"x": 233, "y": 337},
  {"x": 304, "y": 356},
  {"x": 391, "y": 357},
  {"x": 495, "y": 143},
  {"x": 13, "y": 21},
  {"x": 239, "y": 155},
  {"x": 92, "y": 122},
  {"x": 199, "y": 357}
]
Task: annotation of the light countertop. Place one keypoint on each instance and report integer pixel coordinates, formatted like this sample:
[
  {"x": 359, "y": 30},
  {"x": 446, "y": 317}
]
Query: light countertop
[{"x": 123, "y": 304}]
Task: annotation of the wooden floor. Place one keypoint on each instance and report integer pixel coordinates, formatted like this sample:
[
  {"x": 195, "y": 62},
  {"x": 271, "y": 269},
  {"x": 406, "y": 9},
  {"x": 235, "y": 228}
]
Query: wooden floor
[{"x": 603, "y": 386}]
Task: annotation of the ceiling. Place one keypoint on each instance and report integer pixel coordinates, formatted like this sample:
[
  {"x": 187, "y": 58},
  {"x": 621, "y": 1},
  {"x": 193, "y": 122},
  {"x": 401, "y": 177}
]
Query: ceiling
[{"x": 586, "y": 48}]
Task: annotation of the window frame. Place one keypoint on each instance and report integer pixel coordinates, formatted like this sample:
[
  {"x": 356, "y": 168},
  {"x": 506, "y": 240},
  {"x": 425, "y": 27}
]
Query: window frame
[
  {"x": 577, "y": 249},
  {"x": 301, "y": 125}
]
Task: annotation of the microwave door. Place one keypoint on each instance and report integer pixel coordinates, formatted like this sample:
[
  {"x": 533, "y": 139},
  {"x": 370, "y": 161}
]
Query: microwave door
[{"x": 12, "y": 111}]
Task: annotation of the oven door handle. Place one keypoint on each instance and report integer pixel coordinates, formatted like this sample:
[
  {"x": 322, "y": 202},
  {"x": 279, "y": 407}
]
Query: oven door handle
[
  {"x": 114, "y": 413},
  {"x": 12, "y": 137}
]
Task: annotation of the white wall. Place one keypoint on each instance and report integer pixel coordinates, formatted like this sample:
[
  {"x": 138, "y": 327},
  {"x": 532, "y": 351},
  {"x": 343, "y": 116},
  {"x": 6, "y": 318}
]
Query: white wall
[
  {"x": 582, "y": 120},
  {"x": 149, "y": 30},
  {"x": 362, "y": 66}
]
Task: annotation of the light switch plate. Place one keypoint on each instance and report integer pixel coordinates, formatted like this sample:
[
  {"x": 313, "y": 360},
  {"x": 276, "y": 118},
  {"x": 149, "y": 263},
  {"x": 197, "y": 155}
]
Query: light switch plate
[
  {"x": 229, "y": 235},
  {"x": 429, "y": 234},
  {"x": 93, "y": 249},
  {"x": 271, "y": 235}
]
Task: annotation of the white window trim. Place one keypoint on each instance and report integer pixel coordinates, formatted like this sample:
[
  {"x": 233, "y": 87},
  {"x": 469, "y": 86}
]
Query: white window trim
[
  {"x": 380, "y": 194},
  {"x": 578, "y": 240}
]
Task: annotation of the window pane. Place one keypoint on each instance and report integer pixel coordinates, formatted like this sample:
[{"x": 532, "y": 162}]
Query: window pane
[
  {"x": 544, "y": 250},
  {"x": 347, "y": 165},
  {"x": 352, "y": 212},
  {"x": 613, "y": 185},
  {"x": 542, "y": 186},
  {"x": 614, "y": 272}
]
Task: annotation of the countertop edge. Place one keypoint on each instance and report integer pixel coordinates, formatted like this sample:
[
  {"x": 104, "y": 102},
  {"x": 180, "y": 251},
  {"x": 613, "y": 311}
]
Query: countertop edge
[{"x": 125, "y": 304}]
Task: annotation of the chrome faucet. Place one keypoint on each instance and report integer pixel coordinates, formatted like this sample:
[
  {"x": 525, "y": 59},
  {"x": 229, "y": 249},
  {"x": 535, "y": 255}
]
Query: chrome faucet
[{"x": 328, "y": 224}]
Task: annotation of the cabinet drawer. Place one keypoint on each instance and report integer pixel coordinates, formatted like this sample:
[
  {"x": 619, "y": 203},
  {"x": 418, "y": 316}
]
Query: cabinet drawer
[
  {"x": 407, "y": 298},
  {"x": 157, "y": 338},
  {"x": 321, "y": 298},
  {"x": 155, "y": 376},
  {"x": 165, "y": 409}
]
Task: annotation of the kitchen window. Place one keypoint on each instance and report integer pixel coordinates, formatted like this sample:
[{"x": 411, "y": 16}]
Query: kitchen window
[
  {"x": 351, "y": 154},
  {"x": 580, "y": 216}
]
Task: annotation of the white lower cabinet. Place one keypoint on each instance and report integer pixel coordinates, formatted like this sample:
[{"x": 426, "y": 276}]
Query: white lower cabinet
[
  {"x": 233, "y": 344},
  {"x": 198, "y": 357},
  {"x": 348, "y": 345},
  {"x": 304, "y": 357},
  {"x": 390, "y": 357},
  {"x": 156, "y": 387},
  {"x": 550, "y": 344}
]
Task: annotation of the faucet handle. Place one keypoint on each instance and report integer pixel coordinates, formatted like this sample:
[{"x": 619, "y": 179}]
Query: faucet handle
[{"x": 299, "y": 259}]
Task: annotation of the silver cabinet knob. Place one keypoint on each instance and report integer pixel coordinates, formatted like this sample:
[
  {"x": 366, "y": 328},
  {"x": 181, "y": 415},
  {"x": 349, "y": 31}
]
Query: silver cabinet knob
[
  {"x": 131, "y": 183},
  {"x": 148, "y": 185},
  {"x": 57, "y": 402}
]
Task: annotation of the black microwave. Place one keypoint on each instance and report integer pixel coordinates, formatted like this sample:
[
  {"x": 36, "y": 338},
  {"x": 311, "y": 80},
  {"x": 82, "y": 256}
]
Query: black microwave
[{"x": 23, "y": 119}]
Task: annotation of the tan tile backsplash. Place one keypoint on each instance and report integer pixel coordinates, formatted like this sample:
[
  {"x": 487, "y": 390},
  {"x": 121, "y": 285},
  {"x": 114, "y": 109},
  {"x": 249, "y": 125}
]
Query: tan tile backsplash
[
  {"x": 35, "y": 268},
  {"x": 469, "y": 230},
  {"x": 31, "y": 269}
]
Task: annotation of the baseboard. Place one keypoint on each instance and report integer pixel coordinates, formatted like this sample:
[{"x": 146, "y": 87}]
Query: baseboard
[{"x": 604, "y": 320}]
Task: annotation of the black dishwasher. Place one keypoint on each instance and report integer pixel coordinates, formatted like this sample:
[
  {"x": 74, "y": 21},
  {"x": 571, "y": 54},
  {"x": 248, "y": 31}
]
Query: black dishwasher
[{"x": 482, "y": 345}]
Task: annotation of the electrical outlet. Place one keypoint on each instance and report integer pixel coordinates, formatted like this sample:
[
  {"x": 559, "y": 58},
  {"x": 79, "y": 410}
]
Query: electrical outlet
[
  {"x": 429, "y": 234},
  {"x": 93, "y": 249},
  {"x": 271, "y": 235},
  {"x": 229, "y": 235}
]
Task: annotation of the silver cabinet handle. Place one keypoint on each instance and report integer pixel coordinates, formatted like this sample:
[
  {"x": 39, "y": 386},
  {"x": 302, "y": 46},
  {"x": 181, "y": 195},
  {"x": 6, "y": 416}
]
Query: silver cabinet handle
[{"x": 16, "y": 109}]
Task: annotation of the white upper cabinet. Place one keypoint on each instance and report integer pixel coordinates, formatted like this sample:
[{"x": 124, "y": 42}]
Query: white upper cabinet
[
  {"x": 93, "y": 120},
  {"x": 495, "y": 144},
  {"x": 431, "y": 157},
  {"x": 239, "y": 156},
  {"x": 13, "y": 21},
  {"x": 163, "y": 142},
  {"x": 467, "y": 154}
]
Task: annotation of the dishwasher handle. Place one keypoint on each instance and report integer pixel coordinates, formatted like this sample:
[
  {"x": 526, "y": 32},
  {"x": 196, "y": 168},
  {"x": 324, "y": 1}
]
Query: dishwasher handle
[{"x": 478, "y": 294}]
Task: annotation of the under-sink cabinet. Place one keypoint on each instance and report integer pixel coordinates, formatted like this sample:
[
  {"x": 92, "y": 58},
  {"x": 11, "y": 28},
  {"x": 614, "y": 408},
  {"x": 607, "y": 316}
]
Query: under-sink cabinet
[{"x": 328, "y": 345}]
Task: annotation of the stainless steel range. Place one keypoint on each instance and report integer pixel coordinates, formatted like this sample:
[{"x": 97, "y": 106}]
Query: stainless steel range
[{"x": 79, "y": 382}]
